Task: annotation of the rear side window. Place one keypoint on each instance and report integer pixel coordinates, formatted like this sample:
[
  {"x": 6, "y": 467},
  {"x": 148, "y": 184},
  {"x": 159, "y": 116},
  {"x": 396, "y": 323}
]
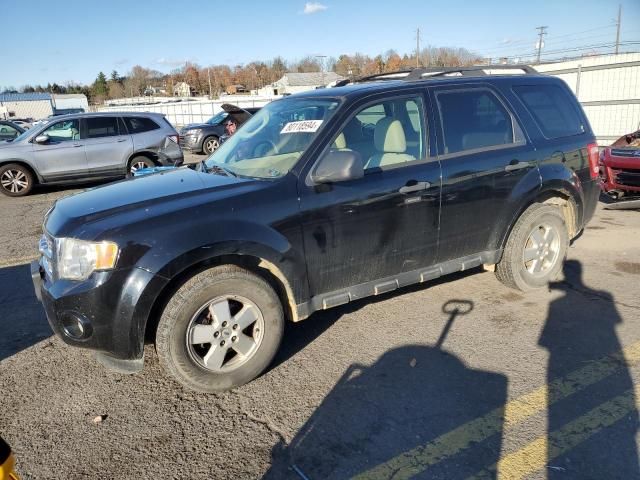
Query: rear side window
[
  {"x": 473, "y": 119},
  {"x": 102, "y": 127},
  {"x": 140, "y": 124},
  {"x": 552, "y": 108}
]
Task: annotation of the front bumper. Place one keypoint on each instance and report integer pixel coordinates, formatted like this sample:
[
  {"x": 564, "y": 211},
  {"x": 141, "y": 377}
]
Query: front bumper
[
  {"x": 106, "y": 313},
  {"x": 192, "y": 143}
]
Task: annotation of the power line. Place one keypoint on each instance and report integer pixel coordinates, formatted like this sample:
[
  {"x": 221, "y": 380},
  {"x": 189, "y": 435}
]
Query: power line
[{"x": 575, "y": 49}]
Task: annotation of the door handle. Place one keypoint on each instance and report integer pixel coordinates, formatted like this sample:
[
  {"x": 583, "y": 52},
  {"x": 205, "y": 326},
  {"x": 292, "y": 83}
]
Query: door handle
[
  {"x": 516, "y": 165},
  {"x": 77, "y": 145},
  {"x": 414, "y": 187},
  {"x": 120, "y": 140}
]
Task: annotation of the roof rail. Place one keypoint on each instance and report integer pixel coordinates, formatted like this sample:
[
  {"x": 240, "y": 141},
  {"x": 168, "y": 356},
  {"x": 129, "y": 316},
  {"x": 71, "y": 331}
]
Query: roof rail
[{"x": 430, "y": 72}]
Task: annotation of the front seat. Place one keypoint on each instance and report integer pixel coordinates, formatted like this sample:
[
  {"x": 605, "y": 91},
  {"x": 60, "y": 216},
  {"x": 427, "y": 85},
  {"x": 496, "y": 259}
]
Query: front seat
[{"x": 390, "y": 143}]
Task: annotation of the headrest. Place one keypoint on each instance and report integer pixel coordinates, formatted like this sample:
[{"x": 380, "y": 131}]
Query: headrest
[
  {"x": 340, "y": 142},
  {"x": 389, "y": 136}
]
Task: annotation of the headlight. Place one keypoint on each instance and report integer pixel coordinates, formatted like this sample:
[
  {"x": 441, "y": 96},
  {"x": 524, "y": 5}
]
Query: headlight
[
  {"x": 195, "y": 132},
  {"x": 77, "y": 259}
]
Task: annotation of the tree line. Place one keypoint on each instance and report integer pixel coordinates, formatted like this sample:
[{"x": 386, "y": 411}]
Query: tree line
[{"x": 215, "y": 79}]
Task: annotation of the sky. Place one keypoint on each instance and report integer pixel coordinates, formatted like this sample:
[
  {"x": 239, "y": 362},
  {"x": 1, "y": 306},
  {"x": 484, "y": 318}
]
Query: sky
[{"x": 79, "y": 38}]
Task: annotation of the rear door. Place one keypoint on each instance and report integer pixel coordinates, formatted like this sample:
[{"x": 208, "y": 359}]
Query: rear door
[
  {"x": 63, "y": 156},
  {"x": 487, "y": 165},
  {"x": 108, "y": 145}
]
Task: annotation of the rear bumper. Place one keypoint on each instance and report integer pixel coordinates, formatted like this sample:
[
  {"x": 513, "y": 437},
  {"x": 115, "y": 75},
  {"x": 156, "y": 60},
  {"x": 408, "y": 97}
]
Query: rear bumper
[
  {"x": 591, "y": 191},
  {"x": 106, "y": 313}
]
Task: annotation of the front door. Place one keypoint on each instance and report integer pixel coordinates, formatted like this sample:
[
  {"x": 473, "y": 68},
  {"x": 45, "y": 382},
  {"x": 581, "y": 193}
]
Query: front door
[
  {"x": 108, "y": 146},
  {"x": 63, "y": 156},
  {"x": 386, "y": 222}
]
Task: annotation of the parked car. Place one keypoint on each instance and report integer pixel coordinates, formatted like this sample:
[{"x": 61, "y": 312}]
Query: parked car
[
  {"x": 620, "y": 167},
  {"x": 205, "y": 137},
  {"x": 9, "y": 130},
  {"x": 22, "y": 123},
  {"x": 321, "y": 198},
  {"x": 88, "y": 146}
]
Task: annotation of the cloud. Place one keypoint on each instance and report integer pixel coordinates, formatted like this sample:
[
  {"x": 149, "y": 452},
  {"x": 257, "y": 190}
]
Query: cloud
[
  {"x": 122, "y": 61},
  {"x": 171, "y": 62},
  {"x": 313, "y": 7}
]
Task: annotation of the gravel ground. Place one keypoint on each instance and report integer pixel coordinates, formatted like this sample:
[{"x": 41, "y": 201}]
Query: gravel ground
[{"x": 427, "y": 381}]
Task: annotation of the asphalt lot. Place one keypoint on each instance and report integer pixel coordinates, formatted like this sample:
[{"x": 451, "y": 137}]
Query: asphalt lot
[{"x": 459, "y": 378}]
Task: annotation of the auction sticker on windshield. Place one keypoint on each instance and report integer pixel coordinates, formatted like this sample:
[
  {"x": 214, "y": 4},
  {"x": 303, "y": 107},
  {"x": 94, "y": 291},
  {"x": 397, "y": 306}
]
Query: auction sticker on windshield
[{"x": 303, "y": 126}]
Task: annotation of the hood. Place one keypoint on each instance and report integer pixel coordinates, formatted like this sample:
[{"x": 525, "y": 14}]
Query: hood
[
  {"x": 144, "y": 196},
  {"x": 13, "y": 144},
  {"x": 193, "y": 126}
]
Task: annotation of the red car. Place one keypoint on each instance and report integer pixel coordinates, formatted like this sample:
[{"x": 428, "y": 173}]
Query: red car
[{"x": 620, "y": 167}]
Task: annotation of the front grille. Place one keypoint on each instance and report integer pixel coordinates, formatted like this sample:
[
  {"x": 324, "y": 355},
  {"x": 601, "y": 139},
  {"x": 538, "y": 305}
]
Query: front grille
[
  {"x": 626, "y": 152},
  {"x": 628, "y": 177}
]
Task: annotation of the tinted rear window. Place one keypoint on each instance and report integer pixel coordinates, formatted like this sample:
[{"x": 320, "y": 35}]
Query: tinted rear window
[
  {"x": 140, "y": 124},
  {"x": 552, "y": 108},
  {"x": 473, "y": 119},
  {"x": 102, "y": 127}
]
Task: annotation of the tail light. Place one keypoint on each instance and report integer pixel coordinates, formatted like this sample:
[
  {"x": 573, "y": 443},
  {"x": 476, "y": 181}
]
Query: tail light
[
  {"x": 594, "y": 158},
  {"x": 175, "y": 138}
]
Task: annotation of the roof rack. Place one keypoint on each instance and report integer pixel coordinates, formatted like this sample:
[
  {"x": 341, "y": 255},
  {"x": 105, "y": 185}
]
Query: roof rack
[{"x": 431, "y": 72}]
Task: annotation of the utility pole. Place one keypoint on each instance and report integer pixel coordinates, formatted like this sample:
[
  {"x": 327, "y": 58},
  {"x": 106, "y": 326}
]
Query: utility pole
[
  {"x": 618, "y": 28},
  {"x": 540, "y": 35},
  {"x": 322, "y": 57},
  {"x": 418, "y": 48},
  {"x": 209, "y": 77}
]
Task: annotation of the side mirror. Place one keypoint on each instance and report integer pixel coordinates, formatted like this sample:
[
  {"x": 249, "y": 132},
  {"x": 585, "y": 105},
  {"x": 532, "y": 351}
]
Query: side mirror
[
  {"x": 42, "y": 139},
  {"x": 338, "y": 166}
]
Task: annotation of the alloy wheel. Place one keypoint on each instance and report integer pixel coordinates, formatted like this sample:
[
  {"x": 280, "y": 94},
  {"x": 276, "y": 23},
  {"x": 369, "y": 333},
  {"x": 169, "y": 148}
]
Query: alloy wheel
[
  {"x": 541, "y": 250},
  {"x": 225, "y": 333},
  {"x": 14, "y": 181}
]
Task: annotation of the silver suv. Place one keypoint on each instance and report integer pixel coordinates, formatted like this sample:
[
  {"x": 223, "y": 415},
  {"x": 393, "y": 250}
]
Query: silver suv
[{"x": 87, "y": 146}]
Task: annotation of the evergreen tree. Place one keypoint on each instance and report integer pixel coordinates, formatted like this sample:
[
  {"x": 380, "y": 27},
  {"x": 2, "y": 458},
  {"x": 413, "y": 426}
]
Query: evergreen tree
[{"x": 100, "y": 85}]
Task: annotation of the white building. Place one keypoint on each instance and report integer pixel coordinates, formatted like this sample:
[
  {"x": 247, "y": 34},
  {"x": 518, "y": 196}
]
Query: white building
[
  {"x": 182, "y": 89},
  {"x": 70, "y": 101},
  {"x": 293, "y": 82},
  {"x": 608, "y": 87},
  {"x": 26, "y": 105}
]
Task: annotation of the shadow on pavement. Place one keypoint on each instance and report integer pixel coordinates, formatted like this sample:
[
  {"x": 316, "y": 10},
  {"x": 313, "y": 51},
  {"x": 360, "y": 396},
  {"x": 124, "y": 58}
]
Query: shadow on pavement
[
  {"x": 383, "y": 416},
  {"x": 580, "y": 330},
  {"x": 22, "y": 319}
]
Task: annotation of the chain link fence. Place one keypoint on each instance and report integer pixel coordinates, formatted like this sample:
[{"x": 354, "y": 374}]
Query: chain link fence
[{"x": 184, "y": 112}]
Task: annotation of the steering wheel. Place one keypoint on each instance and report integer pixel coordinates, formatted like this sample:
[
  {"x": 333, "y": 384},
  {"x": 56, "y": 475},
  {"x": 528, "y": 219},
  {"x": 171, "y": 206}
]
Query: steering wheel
[{"x": 263, "y": 147}]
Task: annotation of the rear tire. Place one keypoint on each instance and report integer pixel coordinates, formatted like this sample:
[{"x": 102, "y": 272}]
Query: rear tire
[
  {"x": 15, "y": 180},
  {"x": 137, "y": 163},
  {"x": 220, "y": 329},
  {"x": 535, "y": 250},
  {"x": 210, "y": 145}
]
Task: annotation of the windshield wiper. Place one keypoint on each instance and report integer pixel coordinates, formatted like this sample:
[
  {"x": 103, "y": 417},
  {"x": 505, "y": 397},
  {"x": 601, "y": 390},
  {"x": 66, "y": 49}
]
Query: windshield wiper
[{"x": 220, "y": 170}]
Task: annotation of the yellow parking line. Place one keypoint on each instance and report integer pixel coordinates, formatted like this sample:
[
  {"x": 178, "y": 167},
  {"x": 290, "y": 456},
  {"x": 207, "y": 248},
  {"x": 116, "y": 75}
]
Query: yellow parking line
[
  {"x": 14, "y": 262},
  {"x": 417, "y": 460},
  {"x": 537, "y": 454}
]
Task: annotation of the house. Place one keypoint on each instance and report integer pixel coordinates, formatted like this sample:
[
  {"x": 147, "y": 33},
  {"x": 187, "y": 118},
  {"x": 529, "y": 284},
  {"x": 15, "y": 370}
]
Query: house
[
  {"x": 293, "y": 82},
  {"x": 234, "y": 89},
  {"x": 26, "y": 105},
  {"x": 183, "y": 89}
]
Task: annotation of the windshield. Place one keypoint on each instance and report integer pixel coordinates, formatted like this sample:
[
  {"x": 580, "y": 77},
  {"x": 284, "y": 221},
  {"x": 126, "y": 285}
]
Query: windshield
[
  {"x": 273, "y": 140},
  {"x": 217, "y": 118},
  {"x": 24, "y": 134}
]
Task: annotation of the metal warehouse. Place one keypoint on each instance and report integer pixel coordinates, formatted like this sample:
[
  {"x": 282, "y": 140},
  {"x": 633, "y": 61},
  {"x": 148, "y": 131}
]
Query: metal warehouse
[{"x": 39, "y": 105}]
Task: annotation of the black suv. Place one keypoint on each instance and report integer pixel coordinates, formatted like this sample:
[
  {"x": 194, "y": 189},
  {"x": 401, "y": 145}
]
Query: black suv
[
  {"x": 321, "y": 198},
  {"x": 205, "y": 137}
]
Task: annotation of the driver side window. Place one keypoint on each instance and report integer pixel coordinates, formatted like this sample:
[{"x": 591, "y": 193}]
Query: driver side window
[
  {"x": 385, "y": 134},
  {"x": 63, "y": 131}
]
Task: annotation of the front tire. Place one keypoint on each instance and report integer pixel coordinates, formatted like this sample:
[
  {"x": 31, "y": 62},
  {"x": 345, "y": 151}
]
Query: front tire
[
  {"x": 15, "y": 180},
  {"x": 535, "y": 250},
  {"x": 210, "y": 145},
  {"x": 220, "y": 330}
]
